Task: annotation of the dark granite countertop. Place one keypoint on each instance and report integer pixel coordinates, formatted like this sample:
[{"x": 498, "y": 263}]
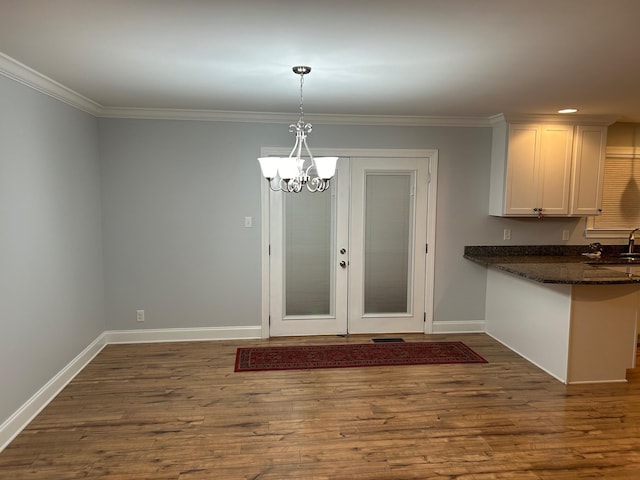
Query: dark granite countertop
[{"x": 558, "y": 263}]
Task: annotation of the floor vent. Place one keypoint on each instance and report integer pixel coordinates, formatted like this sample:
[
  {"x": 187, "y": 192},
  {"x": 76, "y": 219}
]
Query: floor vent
[{"x": 387, "y": 340}]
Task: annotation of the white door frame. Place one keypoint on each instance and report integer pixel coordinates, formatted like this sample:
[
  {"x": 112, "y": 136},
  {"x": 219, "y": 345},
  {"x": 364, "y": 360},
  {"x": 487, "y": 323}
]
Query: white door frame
[{"x": 432, "y": 154}]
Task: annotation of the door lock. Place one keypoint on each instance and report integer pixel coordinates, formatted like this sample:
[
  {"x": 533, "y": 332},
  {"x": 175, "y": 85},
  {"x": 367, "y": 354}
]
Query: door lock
[
  {"x": 343, "y": 264},
  {"x": 343, "y": 251}
]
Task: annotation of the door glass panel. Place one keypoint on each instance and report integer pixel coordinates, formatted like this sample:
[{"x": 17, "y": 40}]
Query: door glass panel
[
  {"x": 309, "y": 253},
  {"x": 388, "y": 237}
]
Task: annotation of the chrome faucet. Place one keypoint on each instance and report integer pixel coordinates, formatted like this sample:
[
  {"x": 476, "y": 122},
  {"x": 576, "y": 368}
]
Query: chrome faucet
[{"x": 632, "y": 240}]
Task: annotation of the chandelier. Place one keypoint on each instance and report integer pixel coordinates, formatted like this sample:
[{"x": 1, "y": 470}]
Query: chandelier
[{"x": 289, "y": 174}]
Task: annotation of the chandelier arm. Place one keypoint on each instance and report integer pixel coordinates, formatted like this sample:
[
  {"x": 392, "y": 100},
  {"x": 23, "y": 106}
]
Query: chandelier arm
[
  {"x": 295, "y": 145},
  {"x": 307, "y": 149},
  {"x": 301, "y": 139},
  {"x": 324, "y": 184},
  {"x": 319, "y": 185},
  {"x": 313, "y": 185},
  {"x": 295, "y": 185},
  {"x": 311, "y": 160},
  {"x": 308, "y": 169}
]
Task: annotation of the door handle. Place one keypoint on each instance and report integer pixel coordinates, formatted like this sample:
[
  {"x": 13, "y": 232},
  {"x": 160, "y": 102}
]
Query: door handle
[{"x": 343, "y": 264}]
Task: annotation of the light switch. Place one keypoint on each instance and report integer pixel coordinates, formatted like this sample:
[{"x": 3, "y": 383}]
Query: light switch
[{"x": 248, "y": 222}]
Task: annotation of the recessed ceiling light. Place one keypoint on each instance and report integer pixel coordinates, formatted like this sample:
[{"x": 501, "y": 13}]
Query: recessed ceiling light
[{"x": 568, "y": 110}]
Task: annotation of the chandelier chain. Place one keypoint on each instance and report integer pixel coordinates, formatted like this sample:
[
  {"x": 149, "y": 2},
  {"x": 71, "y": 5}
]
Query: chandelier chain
[{"x": 301, "y": 98}]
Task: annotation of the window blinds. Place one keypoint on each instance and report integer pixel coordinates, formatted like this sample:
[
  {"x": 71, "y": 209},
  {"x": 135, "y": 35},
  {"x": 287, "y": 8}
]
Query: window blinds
[{"x": 621, "y": 195}]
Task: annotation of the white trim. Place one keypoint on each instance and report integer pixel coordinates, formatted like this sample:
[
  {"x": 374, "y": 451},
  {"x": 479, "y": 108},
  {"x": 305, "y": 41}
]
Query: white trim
[
  {"x": 600, "y": 120},
  {"x": 431, "y": 154},
  {"x": 591, "y": 232},
  {"x": 11, "y": 427},
  {"x": 25, "y": 75},
  {"x": 265, "y": 236},
  {"x": 182, "y": 334},
  {"x": 591, "y": 382},
  {"x": 430, "y": 272},
  {"x": 287, "y": 118},
  {"x": 462, "y": 326}
]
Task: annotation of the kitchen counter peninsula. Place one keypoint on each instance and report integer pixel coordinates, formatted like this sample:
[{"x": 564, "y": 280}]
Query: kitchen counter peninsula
[
  {"x": 558, "y": 264},
  {"x": 574, "y": 317}
]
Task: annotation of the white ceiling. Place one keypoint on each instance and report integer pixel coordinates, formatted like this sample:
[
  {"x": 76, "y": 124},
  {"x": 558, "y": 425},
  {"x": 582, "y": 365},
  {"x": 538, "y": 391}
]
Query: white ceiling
[{"x": 369, "y": 57}]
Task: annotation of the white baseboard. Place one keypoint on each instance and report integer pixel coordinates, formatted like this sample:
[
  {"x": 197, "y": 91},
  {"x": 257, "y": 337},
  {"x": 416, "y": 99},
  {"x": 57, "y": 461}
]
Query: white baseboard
[
  {"x": 183, "y": 334},
  {"x": 11, "y": 427},
  {"x": 463, "y": 326},
  {"x": 27, "y": 412}
]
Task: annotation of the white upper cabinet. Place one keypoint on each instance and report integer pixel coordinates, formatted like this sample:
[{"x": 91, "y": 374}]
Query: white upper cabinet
[
  {"x": 588, "y": 170},
  {"x": 547, "y": 169}
]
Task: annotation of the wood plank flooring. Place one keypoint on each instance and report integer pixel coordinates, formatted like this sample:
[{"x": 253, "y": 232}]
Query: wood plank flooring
[{"x": 178, "y": 411}]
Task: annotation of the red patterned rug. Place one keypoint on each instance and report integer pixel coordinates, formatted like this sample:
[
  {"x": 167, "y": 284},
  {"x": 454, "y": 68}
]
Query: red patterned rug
[{"x": 353, "y": 355}]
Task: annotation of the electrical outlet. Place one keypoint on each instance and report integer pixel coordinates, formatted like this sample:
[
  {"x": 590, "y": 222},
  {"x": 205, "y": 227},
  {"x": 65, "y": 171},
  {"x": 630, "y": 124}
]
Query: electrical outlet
[
  {"x": 139, "y": 315},
  {"x": 565, "y": 234},
  {"x": 506, "y": 234},
  {"x": 248, "y": 222}
]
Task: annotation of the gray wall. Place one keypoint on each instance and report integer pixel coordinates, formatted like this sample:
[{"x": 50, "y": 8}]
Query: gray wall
[
  {"x": 175, "y": 194},
  {"x": 51, "y": 281},
  {"x": 174, "y": 197}
]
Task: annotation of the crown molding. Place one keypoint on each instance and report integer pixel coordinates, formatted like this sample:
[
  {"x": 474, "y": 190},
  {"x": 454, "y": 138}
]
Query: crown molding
[
  {"x": 275, "y": 117},
  {"x": 566, "y": 119},
  {"x": 195, "y": 114},
  {"x": 25, "y": 75}
]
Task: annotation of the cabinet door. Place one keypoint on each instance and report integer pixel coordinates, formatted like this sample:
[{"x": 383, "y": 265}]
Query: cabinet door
[
  {"x": 555, "y": 169},
  {"x": 522, "y": 185},
  {"x": 588, "y": 170}
]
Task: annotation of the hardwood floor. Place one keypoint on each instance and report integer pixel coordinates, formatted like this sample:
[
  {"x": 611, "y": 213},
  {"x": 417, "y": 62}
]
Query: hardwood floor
[{"x": 178, "y": 411}]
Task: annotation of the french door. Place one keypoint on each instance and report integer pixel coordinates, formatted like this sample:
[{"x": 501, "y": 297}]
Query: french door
[{"x": 352, "y": 259}]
